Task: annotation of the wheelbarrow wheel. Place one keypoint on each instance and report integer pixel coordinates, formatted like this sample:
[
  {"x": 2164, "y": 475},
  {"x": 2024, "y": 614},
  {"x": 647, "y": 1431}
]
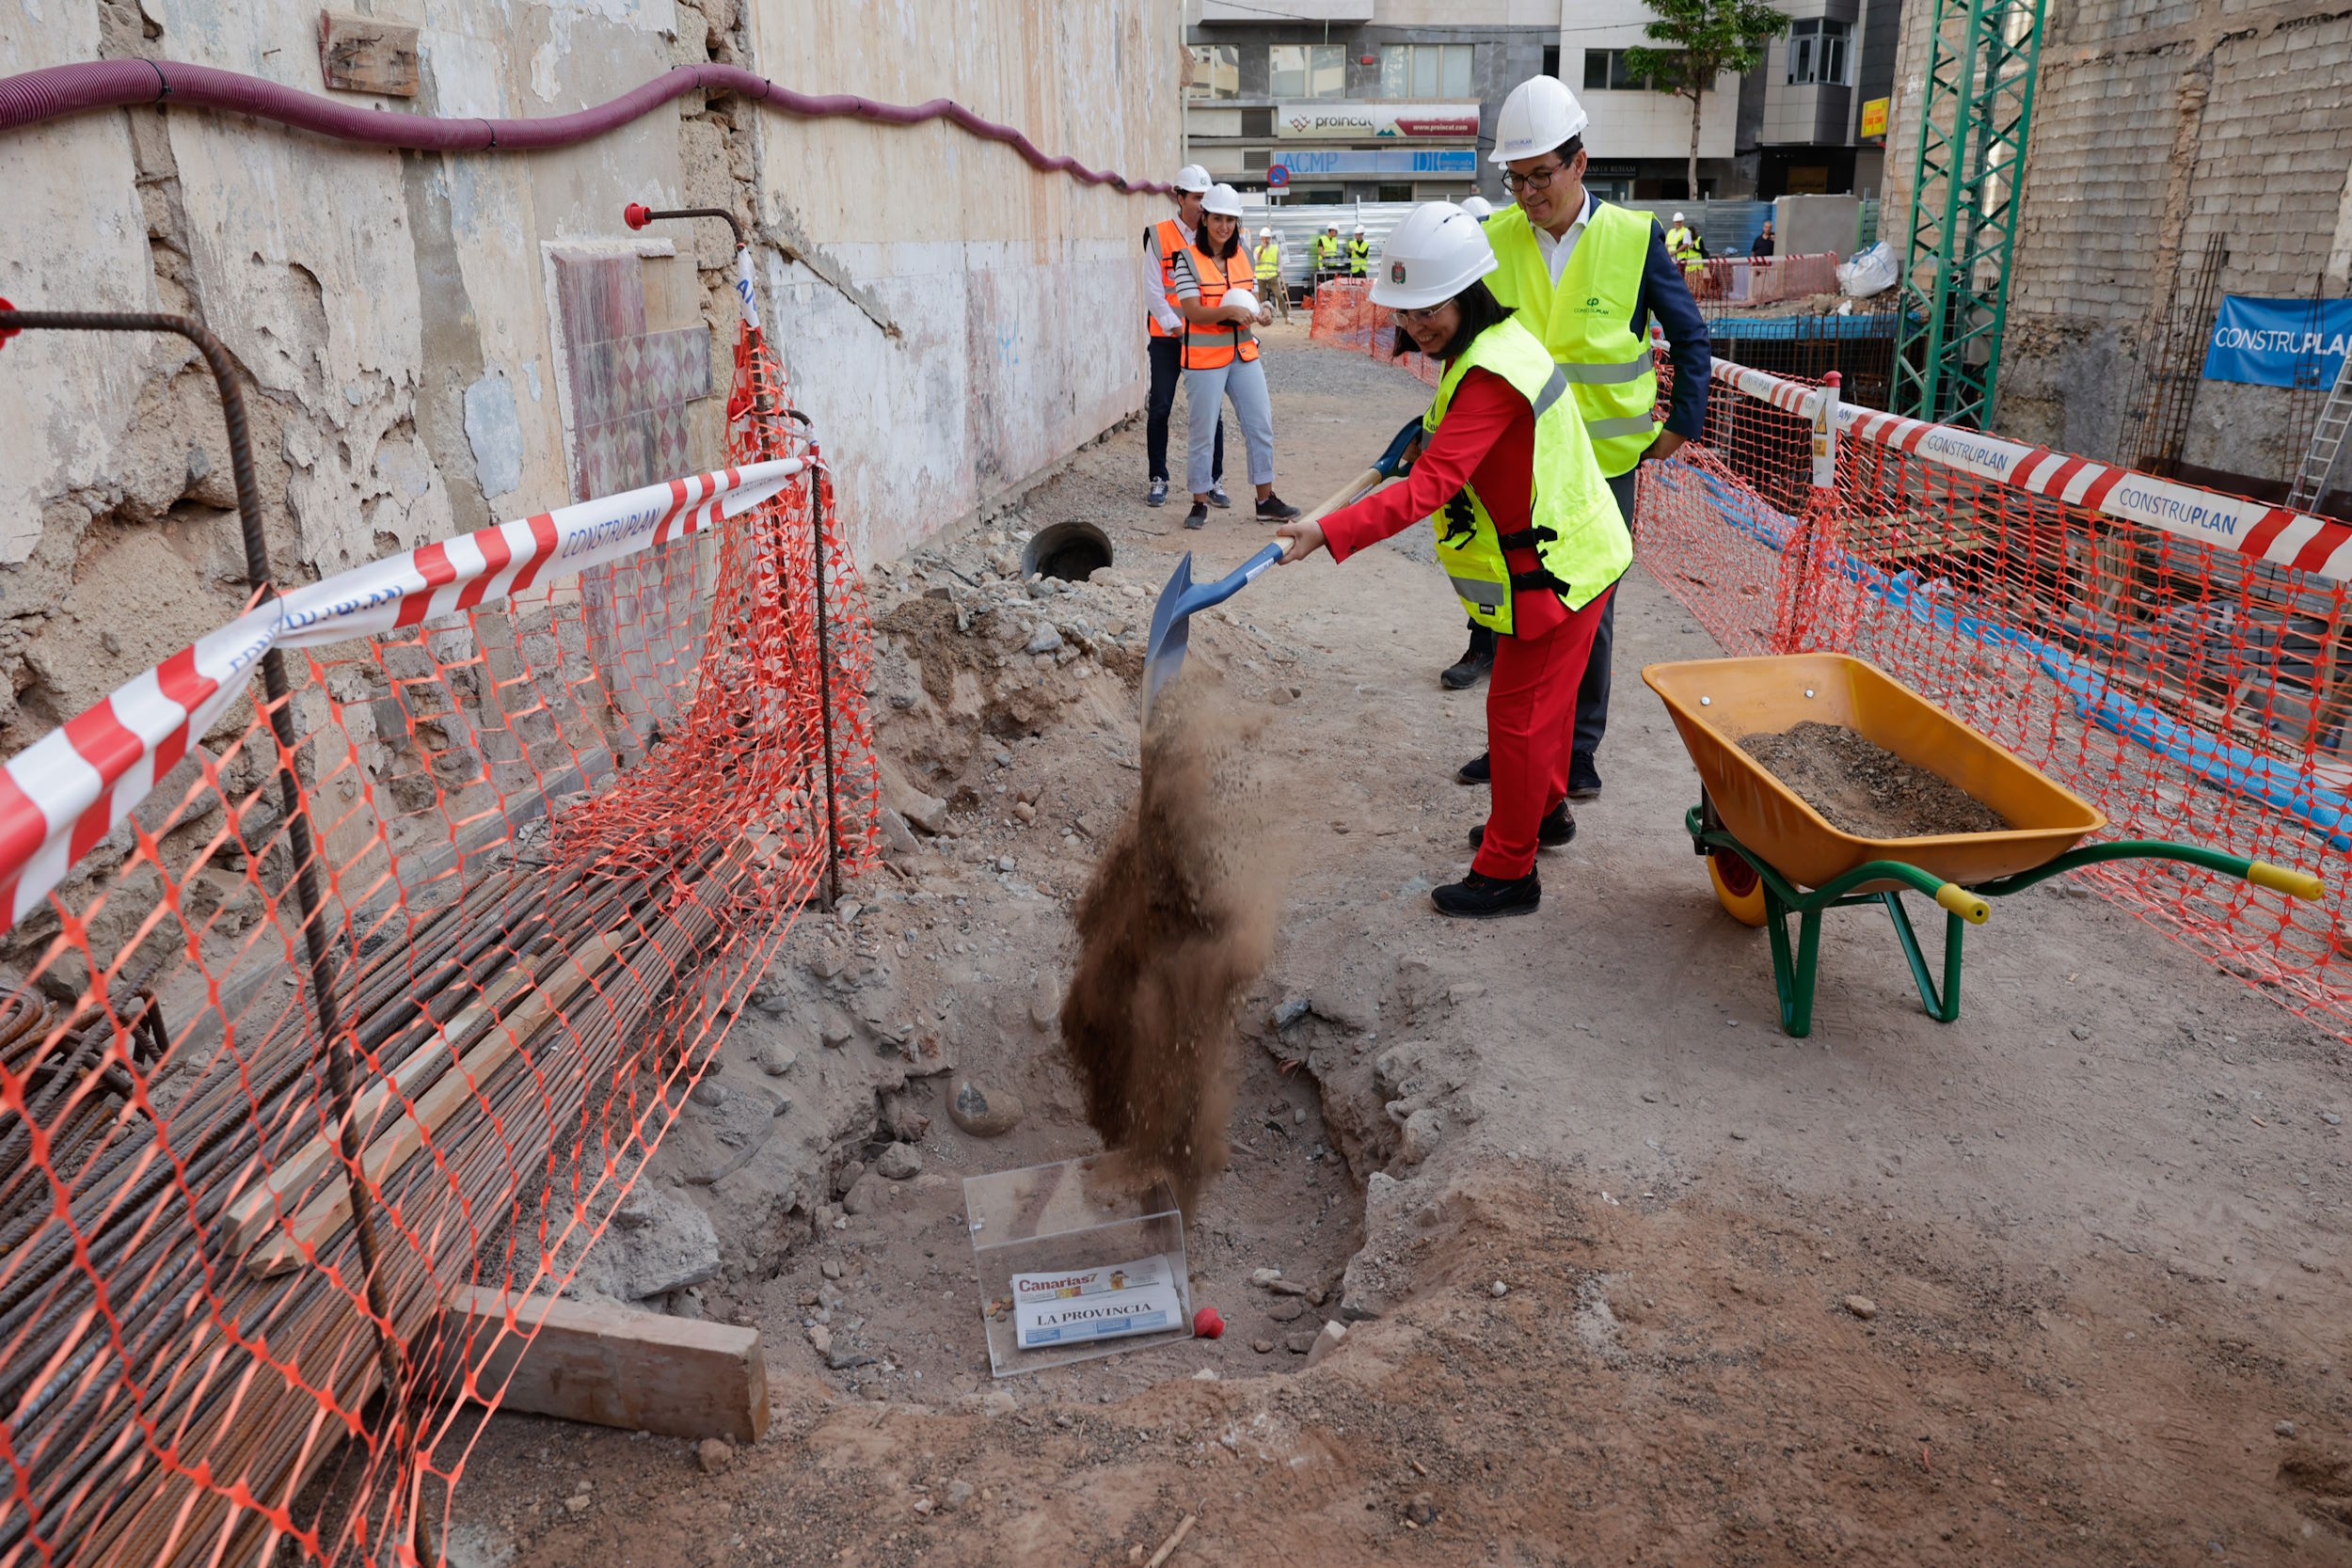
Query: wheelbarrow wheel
[{"x": 1737, "y": 888}]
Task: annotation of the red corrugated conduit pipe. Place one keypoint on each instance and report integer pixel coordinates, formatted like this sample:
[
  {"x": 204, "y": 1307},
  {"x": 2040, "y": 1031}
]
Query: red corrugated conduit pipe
[{"x": 35, "y": 97}]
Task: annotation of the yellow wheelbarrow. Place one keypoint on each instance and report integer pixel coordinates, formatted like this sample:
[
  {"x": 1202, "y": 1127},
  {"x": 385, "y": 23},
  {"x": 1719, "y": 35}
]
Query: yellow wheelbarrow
[{"x": 1771, "y": 856}]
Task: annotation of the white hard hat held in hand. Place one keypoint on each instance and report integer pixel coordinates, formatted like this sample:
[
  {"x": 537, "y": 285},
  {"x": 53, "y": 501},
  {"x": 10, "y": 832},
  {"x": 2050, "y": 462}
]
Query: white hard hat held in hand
[
  {"x": 1437, "y": 252},
  {"x": 1540, "y": 114},
  {"x": 1192, "y": 177},
  {"x": 1224, "y": 200}
]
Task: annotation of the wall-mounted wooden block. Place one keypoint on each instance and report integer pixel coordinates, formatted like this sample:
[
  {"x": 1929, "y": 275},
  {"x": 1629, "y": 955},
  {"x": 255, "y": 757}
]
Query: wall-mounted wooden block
[{"x": 359, "y": 53}]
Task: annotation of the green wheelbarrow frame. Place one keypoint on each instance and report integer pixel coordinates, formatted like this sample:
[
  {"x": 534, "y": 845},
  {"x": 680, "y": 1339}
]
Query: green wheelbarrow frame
[{"x": 1796, "y": 970}]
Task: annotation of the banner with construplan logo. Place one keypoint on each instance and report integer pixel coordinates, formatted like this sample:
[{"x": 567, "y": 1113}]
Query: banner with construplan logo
[{"x": 2278, "y": 342}]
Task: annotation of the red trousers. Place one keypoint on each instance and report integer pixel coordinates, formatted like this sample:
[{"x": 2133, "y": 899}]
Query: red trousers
[{"x": 1531, "y": 731}]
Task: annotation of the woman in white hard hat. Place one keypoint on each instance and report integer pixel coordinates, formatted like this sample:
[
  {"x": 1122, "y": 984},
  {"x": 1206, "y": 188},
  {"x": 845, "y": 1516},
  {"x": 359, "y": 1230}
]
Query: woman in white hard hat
[
  {"x": 1215, "y": 291},
  {"x": 1163, "y": 243},
  {"x": 1527, "y": 530}
]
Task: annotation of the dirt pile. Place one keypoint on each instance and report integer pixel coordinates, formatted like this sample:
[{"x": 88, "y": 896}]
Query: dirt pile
[
  {"x": 1865, "y": 789},
  {"x": 1177, "y": 920}
]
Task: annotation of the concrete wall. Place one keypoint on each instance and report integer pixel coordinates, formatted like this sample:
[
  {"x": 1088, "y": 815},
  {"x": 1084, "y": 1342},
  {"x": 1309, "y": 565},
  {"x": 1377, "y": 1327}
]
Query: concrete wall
[
  {"x": 2157, "y": 122},
  {"x": 393, "y": 314}
]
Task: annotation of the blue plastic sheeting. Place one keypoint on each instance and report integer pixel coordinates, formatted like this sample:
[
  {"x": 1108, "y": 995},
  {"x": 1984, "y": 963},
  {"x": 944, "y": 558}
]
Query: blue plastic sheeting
[
  {"x": 2239, "y": 770},
  {"x": 1876, "y": 324}
]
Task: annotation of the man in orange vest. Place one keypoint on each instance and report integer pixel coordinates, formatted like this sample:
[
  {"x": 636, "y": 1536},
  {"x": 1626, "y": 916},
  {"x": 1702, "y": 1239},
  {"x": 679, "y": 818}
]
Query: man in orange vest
[{"x": 1163, "y": 243}]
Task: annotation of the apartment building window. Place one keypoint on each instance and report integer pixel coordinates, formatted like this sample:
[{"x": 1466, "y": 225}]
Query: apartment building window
[
  {"x": 1816, "y": 53},
  {"x": 1425, "y": 70},
  {"x": 1216, "y": 70},
  {"x": 1605, "y": 71},
  {"x": 1307, "y": 70}
]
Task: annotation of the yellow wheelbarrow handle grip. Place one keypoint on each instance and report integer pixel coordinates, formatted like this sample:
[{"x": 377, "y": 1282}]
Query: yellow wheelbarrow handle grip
[
  {"x": 2279, "y": 878},
  {"x": 1963, "y": 903}
]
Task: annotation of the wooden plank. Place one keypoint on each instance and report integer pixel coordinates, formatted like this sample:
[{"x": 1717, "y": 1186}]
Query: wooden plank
[
  {"x": 329, "y": 1212},
  {"x": 612, "y": 1366},
  {"x": 359, "y": 53}
]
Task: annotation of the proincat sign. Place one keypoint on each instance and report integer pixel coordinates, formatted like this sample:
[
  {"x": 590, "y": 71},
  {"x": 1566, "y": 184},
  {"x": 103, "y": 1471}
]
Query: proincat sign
[{"x": 1327, "y": 119}]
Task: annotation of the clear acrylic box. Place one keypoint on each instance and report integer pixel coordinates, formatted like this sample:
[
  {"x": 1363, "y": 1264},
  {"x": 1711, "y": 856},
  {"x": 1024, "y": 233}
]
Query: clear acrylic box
[{"x": 1057, "y": 1218}]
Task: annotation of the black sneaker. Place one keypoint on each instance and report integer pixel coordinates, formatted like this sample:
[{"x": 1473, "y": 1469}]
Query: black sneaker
[
  {"x": 1217, "y": 498},
  {"x": 1198, "y": 516},
  {"x": 1472, "y": 668},
  {"x": 1556, "y": 829},
  {"x": 1474, "y": 771},
  {"x": 1158, "y": 496},
  {"x": 1274, "y": 509},
  {"x": 1477, "y": 897}
]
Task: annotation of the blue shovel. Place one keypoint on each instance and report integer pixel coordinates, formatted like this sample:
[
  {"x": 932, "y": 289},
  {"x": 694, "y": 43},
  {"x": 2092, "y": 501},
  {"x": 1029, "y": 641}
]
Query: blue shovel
[{"x": 1171, "y": 618}]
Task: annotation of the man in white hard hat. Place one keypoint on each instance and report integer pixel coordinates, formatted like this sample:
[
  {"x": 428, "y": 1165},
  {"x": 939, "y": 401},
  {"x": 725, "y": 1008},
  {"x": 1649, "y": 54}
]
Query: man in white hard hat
[
  {"x": 1479, "y": 208},
  {"x": 1269, "y": 259},
  {"x": 1358, "y": 254},
  {"x": 1163, "y": 243},
  {"x": 1588, "y": 278},
  {"x": 1327, "y": 252}
]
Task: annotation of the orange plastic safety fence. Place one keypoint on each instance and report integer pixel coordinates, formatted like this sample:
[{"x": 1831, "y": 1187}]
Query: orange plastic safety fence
[
  {"x": 1344, "y": 316},
  {"x": 2179, "y": 657},
  {"x": 559, "y": 835}
]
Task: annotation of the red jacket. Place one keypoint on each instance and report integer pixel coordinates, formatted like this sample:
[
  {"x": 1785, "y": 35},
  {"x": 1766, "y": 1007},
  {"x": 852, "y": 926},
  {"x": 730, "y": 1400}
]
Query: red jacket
[{"x": 1487, "y": 440}]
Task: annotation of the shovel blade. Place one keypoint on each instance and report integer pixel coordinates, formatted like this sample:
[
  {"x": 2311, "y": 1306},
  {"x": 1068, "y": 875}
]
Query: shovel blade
[{"x": 1163, "y": 650}]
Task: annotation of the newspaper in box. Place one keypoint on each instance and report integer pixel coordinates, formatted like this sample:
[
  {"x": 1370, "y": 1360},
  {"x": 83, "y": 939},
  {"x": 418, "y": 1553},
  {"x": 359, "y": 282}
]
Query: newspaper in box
[{"x": 1095, "y": 1303}]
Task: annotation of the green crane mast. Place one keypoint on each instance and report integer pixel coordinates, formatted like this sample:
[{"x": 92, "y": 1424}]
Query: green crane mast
[{"x": 1975, "y": 112}]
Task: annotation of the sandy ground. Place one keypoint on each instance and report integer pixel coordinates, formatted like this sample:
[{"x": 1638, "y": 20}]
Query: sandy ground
[{"x": 2063, "y": 1282}]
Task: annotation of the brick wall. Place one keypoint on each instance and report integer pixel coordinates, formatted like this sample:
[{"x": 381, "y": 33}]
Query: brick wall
[{"x": 2156, "y": 124}]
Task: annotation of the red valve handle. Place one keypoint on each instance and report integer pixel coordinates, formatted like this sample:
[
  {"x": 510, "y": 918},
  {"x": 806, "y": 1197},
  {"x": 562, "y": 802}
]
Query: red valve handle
[
  {"x": 6, "y": 333},
  {"x": 637, "y": 214}
]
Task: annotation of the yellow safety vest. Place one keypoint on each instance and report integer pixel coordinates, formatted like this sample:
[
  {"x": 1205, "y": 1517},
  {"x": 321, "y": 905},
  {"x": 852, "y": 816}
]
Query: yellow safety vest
[
  {"x": 1575, "y": 530},
  {"x": 1326, "y": 250},
  {"x": 1358, "y": 257},
  {"x": 1269, "y": 261},
  {"x": 1585, "y": 322}
]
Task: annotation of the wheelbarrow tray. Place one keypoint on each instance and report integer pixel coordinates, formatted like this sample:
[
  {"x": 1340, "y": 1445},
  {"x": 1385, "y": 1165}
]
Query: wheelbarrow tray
[{"x": 1717, "y": 701}]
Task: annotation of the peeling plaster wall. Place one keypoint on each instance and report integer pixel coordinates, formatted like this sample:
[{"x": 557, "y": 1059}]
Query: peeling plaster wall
[
  {"x": 390, "y": 312},
  {"x": 1015, "y": 297}
]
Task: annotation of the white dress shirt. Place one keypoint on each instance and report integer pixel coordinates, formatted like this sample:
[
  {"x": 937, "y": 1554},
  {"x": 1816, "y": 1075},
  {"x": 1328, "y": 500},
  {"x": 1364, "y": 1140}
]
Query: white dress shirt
[
  {"x": 1156, "y": 287},
  {"x": 1556, "y": 252}
]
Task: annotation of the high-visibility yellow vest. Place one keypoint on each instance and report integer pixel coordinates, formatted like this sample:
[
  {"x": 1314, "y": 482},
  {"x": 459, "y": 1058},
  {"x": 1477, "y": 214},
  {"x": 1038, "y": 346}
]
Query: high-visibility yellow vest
[
  {"x": 1680, "y": 241},
  {"x": 1585, "y": 321},
  {"x": 1269, "y": 261},
  {"x": 1358, "y": 257},
  {"x": 1326, "y": 250},
  {"x": 1575, "y": 530}
]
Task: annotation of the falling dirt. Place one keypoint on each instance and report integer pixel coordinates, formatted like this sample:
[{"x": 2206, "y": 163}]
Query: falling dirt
[
  {"x": 1865, "y": 789},
  {"x": 1177, "y": 921}
]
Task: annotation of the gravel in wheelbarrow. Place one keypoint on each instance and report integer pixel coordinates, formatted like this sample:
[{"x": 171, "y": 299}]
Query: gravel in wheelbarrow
[{"x": 1863, "y": 788}]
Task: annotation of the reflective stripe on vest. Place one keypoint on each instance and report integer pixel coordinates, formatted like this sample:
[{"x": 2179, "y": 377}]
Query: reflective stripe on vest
[
  {"x": 1575, "y": 530},
  {"x": 1585, "y": 322},
  {"x": 1208, "y": 348},
  {"x": 1172, "y": 238}
]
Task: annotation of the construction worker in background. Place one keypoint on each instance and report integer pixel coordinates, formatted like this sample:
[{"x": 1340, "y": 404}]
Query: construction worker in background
[
  {"x": 1527, "y": 530},
  {"x": 1358, "y": 254},
  {"x": 1690, "y": 250},
  {"x": 1680, "y": 238},
  {"x": 1479, "y": 208},
  {"x": 1327, "y": 253},
  {"x": 1213, "y": 280},
  {"x": 1588, "y": 278},
  {"x": 1271, "y": 290},
  {"x": 1163, "y": 243},
  {"x": 1765, "y": 242}
]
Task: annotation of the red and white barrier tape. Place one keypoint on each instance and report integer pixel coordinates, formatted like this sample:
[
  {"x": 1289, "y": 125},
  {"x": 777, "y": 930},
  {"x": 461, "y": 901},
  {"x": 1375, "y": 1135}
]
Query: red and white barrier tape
[
  {"x": 2320, "y": 546},
  {"x": 64, "y": 793}
]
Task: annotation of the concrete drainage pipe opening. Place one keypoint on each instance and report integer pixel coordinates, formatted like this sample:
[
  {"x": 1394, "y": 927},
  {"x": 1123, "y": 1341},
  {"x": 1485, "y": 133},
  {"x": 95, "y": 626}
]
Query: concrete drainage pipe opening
[{"x": 1073, "y": 551}]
